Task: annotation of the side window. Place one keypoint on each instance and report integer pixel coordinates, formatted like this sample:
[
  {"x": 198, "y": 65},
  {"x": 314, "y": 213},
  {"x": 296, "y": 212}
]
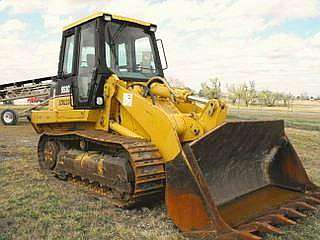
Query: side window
[
  {"x": 87, "y": 61},
  {"x": 108, "y": 55},
  {"x": 122, "y": 55},
  {"x": 68, "y": 55}
]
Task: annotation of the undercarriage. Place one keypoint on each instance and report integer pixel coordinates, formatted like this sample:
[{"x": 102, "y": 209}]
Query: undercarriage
[{"x": 131, "y": 169}]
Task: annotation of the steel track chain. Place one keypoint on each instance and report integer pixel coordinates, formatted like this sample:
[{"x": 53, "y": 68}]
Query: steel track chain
[{"x": 145, "y": 159}]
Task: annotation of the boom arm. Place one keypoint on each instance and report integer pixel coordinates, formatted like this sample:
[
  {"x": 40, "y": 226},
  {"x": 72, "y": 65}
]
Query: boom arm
[{"x": 165, "y": 116}]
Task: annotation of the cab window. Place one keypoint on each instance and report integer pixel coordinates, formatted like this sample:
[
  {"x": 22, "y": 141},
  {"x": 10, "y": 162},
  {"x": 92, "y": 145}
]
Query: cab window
[
  {"x": 87, "y": 61},
  {"x": 68, "y": 55}
]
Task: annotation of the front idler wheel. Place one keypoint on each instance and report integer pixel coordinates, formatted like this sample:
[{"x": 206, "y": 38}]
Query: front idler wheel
[{"x": 48, "y": 154}]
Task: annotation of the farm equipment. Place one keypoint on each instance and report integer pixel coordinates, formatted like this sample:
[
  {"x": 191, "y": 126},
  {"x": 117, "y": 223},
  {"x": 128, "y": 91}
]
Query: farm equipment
[
  {"x": 114, "y": 122},
  {"x": 34, "y": 90}
]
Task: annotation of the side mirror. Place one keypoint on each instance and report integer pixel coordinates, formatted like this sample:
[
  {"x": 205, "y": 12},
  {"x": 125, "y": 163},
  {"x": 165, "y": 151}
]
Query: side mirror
[{"x": 163, "y": 57}]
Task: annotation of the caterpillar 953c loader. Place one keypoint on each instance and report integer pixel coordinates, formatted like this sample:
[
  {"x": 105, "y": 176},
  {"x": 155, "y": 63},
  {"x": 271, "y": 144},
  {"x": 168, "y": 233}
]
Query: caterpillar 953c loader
[{"x": 114, "y": 121}]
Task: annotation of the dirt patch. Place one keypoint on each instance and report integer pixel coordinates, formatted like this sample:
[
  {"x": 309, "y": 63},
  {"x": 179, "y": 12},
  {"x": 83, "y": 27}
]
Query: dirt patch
[{"x": 16, "y": 140}]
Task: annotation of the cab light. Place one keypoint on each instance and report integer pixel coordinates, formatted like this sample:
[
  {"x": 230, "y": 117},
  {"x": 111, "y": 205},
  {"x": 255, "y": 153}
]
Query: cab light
[
  {"x": 107, "y": 18},
  {"x": 153, "y": 28}
]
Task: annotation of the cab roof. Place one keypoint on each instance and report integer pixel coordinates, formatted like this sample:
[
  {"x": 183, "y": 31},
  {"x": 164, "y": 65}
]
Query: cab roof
[{"x": 100, "y": 14}]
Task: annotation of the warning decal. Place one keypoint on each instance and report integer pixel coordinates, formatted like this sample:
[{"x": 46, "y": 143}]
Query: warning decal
[{"x": 127, "y": 99}]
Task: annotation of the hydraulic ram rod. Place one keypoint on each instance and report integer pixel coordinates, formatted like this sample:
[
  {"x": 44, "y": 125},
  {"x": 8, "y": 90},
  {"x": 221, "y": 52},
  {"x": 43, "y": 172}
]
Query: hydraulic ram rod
[{"x": 198, "y": 99}]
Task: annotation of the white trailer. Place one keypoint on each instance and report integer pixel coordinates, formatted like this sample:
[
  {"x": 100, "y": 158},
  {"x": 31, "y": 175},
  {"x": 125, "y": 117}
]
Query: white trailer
[{"x": 28, "y": 89}]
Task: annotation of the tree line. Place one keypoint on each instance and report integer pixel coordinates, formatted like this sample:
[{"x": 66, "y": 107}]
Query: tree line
[{"x": 245, "y": 94}]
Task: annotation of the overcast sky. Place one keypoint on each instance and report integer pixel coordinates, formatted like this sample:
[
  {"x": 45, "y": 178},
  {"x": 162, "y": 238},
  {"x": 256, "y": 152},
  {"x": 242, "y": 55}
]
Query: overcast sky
[{"x": 274, "y": 42}]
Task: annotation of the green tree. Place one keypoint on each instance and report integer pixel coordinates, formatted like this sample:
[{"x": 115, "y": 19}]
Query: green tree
[
  {"x": 264, "y": 97},
  {"x": 269, "y": 98},
  {"x": 248, "y": 93},
  {"x": 235, "y": 94},
  {"x": 211, "y": 89}
]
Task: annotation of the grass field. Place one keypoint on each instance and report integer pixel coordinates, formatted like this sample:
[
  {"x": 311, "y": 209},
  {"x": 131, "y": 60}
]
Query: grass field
[
  {"x": 302, "y": 115},
  {"x": 34, "y": 206},
  {"x": 14, "y": 107}
]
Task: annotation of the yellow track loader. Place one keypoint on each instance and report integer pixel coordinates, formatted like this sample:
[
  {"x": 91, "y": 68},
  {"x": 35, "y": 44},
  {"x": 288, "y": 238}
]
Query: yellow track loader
[{"x": 115, "y": 122}]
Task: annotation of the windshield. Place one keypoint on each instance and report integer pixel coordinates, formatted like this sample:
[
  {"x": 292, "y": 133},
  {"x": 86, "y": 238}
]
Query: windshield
[{"x": 129, "y": 51}]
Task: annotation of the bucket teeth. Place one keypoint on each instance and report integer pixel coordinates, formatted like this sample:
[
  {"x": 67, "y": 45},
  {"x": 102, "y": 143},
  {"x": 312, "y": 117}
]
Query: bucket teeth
[
  {"x": 263, "y": 227},
  {"x": 312, "y": 200},
  {"x": 278, "y": 219},
  {"x": 292, "y": 213},
  {"x": 301, "y": 205},
  {"x": 248, "y": 236},
  {"x": 315, "y": 195},
  {"x": 282, "y": 216}
]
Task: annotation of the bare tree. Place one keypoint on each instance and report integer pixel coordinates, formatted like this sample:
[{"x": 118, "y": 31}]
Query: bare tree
[
  {"x": 211, "y": 89},
  {"x": 267, "y": 98},
  {"x": 235, "y": 94},
  {"x": 252, "y": 91},
  {"x": 288, "y": 99},
  {"x": 243, "y": 92},
  {"x": 271, "y": 99},
  {"x": 248, "y": 93}
]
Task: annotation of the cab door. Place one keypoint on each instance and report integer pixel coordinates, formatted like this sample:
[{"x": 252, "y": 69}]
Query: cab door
[
  {"x": 67, "y": 68},
  {"x": 82, "y": 85}
]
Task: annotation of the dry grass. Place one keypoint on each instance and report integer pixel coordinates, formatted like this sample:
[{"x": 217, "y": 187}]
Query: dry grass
[
  {"x": 34, "y": 206},
  {"x": 14, "y": 107},
  {"x": 303, "y": 115}
]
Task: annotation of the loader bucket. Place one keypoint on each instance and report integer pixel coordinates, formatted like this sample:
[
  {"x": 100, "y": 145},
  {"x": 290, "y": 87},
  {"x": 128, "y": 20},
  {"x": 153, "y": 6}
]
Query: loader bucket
[{"x": 241, "y": 175}]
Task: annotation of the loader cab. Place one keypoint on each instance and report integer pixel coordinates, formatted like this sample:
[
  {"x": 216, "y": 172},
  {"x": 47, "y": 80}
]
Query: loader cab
[{"x": 101, "y": 45}]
